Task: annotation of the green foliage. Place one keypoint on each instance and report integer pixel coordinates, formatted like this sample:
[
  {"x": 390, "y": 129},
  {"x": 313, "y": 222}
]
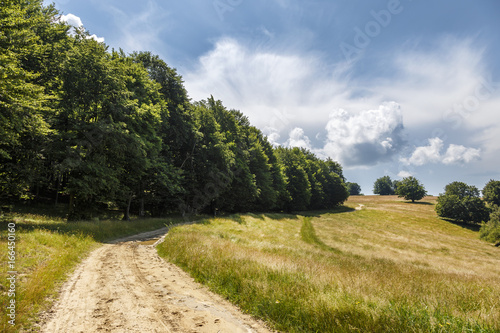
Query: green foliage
[
  {"x": 100, "y": 129},
  {"x": 491, "y": 192},
  {"x": 411, "y": 189},
  {"x": 383, "y": 186},
  {"x": 298, "y": 184},
  {"x": 462, "y": 202},
  {"x": 490, "y": 231},
  {"x": 353, "y": 188},
  {"x": 312, "y": 183}
]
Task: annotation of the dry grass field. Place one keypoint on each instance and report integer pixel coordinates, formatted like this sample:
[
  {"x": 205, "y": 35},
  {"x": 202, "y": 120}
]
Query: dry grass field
[{"x": 379, "y": 264}]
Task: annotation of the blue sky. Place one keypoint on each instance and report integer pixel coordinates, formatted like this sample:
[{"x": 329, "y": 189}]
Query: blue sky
[{"x": 385, "y": 87}]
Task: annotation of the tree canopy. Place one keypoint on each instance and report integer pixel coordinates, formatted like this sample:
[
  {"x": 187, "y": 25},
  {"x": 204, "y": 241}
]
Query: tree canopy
[
  {"x": 95, "y": 128},
  {"x": 491, "y": 192},
  {"x": 353, "y": 188},
  {"x": 462, "y": 202},
  {"x": 410, "y": 189},
  {"x": 383, "y": 186}
]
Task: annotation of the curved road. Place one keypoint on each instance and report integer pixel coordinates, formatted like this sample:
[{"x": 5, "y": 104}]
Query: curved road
[{"x": 127, "y": 287}]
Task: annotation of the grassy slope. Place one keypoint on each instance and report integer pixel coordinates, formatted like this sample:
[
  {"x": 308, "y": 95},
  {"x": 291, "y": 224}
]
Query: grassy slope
[
  {"x": 391, "y": 266},
  {"x": 47, "y": 250}
]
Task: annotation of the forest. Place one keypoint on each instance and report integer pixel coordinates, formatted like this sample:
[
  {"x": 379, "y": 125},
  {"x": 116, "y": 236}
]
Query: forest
[{"x": 98, "y": 129}]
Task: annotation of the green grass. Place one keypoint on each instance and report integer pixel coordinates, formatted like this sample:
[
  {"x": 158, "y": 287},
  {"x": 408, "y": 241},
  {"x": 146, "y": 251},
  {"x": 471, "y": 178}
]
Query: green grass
[
  {"x": 47, "y": 250},
  {"x": 390, "y": 266}
]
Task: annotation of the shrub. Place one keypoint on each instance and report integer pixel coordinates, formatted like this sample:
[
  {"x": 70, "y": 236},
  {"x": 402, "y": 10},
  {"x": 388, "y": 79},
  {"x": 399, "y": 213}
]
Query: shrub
[
  {"x": 490, "y": 231},
  {"x": 461, "y": 202}
]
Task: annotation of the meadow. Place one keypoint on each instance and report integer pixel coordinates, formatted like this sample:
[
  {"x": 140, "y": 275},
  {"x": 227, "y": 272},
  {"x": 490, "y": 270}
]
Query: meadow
[{"x": 377, "y": 264}]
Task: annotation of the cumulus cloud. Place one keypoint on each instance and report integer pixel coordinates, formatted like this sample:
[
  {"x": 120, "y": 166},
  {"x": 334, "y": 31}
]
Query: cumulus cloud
[
  {"x": 432, "y": 154},
  {"x": 426, "y": 154},
  {"x": 365, "y": 138},
  {"x": 280, "y": 90},
  {"x": 72, "y": 20},
  {"x": 460, "y": 154},
  {"x": 298, "y": 138},
  {"x": 77, "y": 23}
]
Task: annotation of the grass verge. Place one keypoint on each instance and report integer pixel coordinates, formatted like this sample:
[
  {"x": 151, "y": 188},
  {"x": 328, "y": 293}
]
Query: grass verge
[
  {"x": 47, "y": 250},
  {"x": 388, "y": 267}
]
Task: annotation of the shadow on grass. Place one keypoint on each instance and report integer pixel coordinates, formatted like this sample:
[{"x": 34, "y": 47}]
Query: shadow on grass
[
  {"x": 318, "y": 213},
  {"x": 469, "y": 226},
  {"x": 420, "y": 203}
]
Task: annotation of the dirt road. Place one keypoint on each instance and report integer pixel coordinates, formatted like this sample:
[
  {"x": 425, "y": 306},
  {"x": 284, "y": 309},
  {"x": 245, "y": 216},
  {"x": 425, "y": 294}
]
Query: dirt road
[{"x": 126, "y": 287}]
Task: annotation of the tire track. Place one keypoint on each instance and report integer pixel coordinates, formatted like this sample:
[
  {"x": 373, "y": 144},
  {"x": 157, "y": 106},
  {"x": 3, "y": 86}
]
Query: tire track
[{"x": 127, "y": 287}]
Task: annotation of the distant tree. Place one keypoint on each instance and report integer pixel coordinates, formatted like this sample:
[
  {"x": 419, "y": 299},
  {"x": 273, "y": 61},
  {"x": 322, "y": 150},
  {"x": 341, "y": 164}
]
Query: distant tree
[
  {"x": 383, "y": 186},
  {"x": 395, "y": 184},
  {"x": 491, "y": 192},
  {"x": 353, "y": 188},
  {"x": 411, "y": 189},
  {"x": 462, "y": 202}
]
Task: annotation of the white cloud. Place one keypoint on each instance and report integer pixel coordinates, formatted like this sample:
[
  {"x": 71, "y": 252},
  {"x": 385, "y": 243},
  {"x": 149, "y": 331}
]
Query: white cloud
[
  {"x": 298, "y": 138},
  {"x": 432, "y": 154},
  {"x": 72, "y": 20},
  {"x": 77, "y": 23},
  {"x": 97, "y": 39},
  {"x": 460, "y": 154},
  {"x": 426, "y": 154},
  {"x": 428, "y": 84},
  {"x": 404, "y": 174},
  {"x": 280, "y": 90},
  {"x": 364, "y": 138},
  {"x": 276, "y": 89}
]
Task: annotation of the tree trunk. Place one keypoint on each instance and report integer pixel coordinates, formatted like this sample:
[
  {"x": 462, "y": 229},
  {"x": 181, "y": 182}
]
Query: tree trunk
[
  {"x": 71, "y": 204},
  {"x": 141, "y": 209},
  {"x": 126, "y": 213}
]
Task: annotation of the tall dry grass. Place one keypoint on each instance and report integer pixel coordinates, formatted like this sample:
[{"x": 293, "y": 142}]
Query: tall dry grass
[{"x": 389, "y": 266}]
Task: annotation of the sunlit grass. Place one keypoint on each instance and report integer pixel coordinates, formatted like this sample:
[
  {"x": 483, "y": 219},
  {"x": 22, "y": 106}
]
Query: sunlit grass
[
  {"x": 390, "y": 266},
  {"x": 47, "y": 250}
]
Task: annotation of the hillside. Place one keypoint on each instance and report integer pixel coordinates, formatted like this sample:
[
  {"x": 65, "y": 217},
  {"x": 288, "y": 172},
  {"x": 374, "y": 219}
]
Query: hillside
[{"x": 379, "y": 264}]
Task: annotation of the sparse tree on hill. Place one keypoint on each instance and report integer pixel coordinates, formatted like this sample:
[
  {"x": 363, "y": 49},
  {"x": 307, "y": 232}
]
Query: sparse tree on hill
[
  {"x": 353, "y": 188},
  {"x": 411, "y": 189},
  {"x": 383, "y": 186}
]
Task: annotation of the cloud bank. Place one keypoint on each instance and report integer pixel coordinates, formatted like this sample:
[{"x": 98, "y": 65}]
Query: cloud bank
[{"x": 299, "y": 99}]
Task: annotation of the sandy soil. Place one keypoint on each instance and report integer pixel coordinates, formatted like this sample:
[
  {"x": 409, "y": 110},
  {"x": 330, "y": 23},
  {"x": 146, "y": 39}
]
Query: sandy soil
[{"x": 127, "y": 287}]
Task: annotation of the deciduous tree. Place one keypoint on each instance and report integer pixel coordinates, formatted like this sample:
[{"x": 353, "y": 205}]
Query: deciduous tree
[{"x": 410, "y": 189}]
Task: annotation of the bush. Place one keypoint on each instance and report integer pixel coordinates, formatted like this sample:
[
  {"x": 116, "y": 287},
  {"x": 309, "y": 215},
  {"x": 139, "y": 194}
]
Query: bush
[
  {"x": 461, "y": 202},
  {"x": 490, "y": 231}
]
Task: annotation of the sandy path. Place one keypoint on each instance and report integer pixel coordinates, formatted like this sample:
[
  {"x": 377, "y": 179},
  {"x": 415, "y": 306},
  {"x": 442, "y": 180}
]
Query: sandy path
[{"x": 127, "y": 287}]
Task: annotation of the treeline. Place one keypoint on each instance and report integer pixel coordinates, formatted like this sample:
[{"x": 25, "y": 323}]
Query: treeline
[{"x": 96, "y": 128}]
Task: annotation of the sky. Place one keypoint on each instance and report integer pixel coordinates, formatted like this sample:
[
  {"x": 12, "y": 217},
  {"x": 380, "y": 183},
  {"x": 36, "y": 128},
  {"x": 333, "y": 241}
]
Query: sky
[{"x": 385, "y": 87}]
